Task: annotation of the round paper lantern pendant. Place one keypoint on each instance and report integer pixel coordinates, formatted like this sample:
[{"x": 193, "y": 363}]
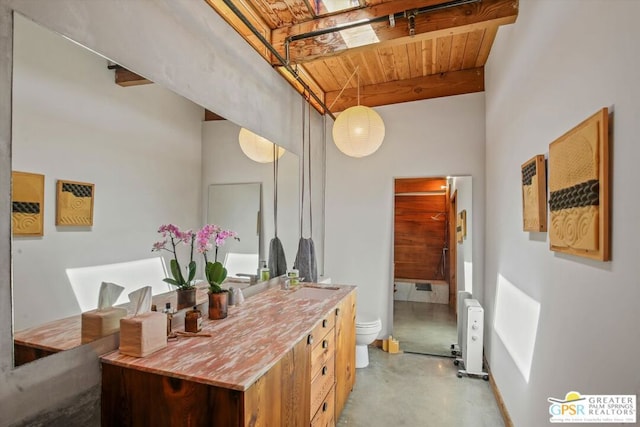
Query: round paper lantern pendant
[
  {"x": 257, "y": 148},
  {"x": 358, "y": 131}
]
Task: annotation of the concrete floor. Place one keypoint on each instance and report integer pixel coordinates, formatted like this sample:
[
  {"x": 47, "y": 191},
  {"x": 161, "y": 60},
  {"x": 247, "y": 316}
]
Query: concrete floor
[
  {"x": 417, "y": 391},
  {"x": 424, "y": 327}
]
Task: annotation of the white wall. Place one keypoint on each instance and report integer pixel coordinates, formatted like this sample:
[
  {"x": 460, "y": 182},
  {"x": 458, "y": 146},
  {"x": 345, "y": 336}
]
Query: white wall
[
  {"x": 557, "y": 65},
  {"x": 72, "y": 122},
  {"x": 438, "y": 137},
  {"x": 223, "y": 162},
  {"x": 464, "y": 201}
]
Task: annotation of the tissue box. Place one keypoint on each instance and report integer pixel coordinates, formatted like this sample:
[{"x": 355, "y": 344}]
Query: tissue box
[
  {"x": 143, "y": 334},
  {"x": 100, "y": 323}
]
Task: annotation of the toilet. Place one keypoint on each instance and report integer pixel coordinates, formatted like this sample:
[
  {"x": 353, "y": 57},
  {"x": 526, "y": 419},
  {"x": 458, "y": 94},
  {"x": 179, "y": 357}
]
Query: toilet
[{"x": 368, "y": 327}]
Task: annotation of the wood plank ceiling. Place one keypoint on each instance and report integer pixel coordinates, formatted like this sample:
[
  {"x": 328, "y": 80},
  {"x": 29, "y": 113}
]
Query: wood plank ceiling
[{"x": 444, "y": 56}]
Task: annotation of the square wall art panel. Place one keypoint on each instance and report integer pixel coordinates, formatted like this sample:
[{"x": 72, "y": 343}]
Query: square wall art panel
[
  {"x": 27, "y": 204},
  {"x": 534, "y": 195},
  {"x": 579, "y": 189},
  {"x": 74, "y": 203}
]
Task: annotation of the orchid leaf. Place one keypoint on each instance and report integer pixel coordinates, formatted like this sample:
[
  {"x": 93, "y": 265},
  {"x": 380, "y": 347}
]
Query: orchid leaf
[
  {"x": 192, "y": 270},
  {"x": 171, "y": 282},
  {"x": 175, "y": 270}
]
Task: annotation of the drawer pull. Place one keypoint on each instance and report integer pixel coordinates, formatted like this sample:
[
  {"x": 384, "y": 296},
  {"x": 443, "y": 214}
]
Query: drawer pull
[
  {"x": 324, "y": 323},
  {"x": 325, "y": 405},
  {"x": 325, "y": 344},
  {"x": 309, "y": 339},
  {"x": 337, "y": 311},
  {"x": 324, "y": 370}
]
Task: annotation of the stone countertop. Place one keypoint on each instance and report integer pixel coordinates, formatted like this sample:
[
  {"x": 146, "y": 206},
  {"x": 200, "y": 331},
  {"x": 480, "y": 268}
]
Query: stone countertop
[
  {"x": 245, "y": 345},
  {"x": 65, "y": 334}
]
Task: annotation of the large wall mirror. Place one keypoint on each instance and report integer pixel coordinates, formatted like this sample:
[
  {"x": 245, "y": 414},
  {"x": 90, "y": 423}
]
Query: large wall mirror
[
  {"x": 433, "y": 260},
  {"x": 142, "y": 149}
]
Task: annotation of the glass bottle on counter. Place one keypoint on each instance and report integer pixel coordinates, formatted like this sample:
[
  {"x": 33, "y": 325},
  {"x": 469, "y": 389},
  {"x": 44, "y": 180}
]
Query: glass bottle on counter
[
  {"x": 169, "y": 312},
  {"x": 193, "y": 320}
]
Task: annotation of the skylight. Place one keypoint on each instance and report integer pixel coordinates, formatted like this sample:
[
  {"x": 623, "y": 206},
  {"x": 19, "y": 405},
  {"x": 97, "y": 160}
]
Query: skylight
[
  {"x": 359, "y": 36},
  {"x": 328, "y": 6}
]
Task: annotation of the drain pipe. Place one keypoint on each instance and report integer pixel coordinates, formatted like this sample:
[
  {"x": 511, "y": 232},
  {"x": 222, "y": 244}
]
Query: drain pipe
[{"x": 283, "y": 62}]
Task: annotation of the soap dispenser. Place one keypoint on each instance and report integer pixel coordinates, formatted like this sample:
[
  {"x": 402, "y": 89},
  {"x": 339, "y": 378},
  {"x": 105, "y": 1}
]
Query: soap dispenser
[{"x": 265, "y": 273}]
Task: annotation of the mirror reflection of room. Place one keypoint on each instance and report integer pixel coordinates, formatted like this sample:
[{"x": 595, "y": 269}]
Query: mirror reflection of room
[
  {"x": 73, "y": 122},
  {"x": 432, "y": 261}
]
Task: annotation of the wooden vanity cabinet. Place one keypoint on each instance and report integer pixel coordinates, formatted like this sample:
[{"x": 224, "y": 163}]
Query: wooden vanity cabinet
[
  {"x": 307, "y": 386},
  {"x": 136, "y": 398},
  {"x": 345, "y": 351}
]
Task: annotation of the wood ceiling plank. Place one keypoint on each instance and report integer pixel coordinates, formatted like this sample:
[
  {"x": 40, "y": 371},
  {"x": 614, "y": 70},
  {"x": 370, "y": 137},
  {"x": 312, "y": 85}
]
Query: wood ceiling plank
[
  {"x": 359, "y": 61},
  {"x": 374, "y": 66},
  {"x": 266, "y": 13},
  {"x": 334, "y": 66},
  {"x": 433, "y": 86},
  {"x": 348, "y": 68},
  {"x": 319, "y": 72},
  {"x": 428, "y": 63},
  {"x": 443, "y": 54},
  {"x": 401, "y": 61},
  {"x": 458, "y": 43},
  {"x": 385, "y": 55},
  {"x": 485, "y": 47},
  {"x": 300, "y": 11},
  {"x": 447, "y": 22},
  {"x": 472, "y": 49},
  {"x": 414, "y": 51}
]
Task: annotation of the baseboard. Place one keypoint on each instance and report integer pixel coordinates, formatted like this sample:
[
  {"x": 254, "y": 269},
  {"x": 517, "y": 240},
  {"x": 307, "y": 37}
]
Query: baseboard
[{"x": 508, "y": 422}]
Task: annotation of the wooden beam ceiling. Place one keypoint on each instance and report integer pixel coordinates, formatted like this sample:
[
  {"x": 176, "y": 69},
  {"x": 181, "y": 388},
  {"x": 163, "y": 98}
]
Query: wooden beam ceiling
[
  {"x": 124, "y": 77},
  {"x": 445, "y": 57},
  {"x": 433, "y": 86},
  {"x": 456, "y": 20}
]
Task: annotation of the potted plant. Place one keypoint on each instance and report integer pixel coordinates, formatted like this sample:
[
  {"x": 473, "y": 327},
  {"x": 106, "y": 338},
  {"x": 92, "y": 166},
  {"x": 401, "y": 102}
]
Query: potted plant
[
  {"x": 186, "y": 290},
  {"x": 215, "y": 273}
]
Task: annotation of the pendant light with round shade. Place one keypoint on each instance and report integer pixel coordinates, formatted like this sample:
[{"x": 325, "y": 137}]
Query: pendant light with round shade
[
  {"x": 257, "y": 148},
  {"x": 358, "y": 131}
]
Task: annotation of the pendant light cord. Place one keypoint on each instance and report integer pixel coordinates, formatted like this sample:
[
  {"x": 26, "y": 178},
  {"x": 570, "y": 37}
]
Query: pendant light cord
[
  {"x": 275, "y": 190},
  {"x": 303, "y": 166},
  {"x": 345, "y": 86},
  {"x": 306, "y": 165},
  {"x": 309, "y": 170}
]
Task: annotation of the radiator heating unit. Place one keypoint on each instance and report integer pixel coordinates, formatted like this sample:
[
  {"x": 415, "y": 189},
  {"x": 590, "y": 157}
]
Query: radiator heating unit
[
  {"x": 471, "y": 327},
  {"x": 456, "y": 348}
]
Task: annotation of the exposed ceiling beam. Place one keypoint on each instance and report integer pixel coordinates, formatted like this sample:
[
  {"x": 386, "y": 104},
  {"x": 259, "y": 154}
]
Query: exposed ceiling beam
[
  {"x": 461, "y": 19},
  {"x": 210, "y": 116},
  {"x": 124, "y": 77},
  {"x": 433, "y": 86}
]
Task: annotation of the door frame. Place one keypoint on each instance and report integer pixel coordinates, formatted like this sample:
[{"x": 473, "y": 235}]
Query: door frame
[{"x": 453, "y": 251}]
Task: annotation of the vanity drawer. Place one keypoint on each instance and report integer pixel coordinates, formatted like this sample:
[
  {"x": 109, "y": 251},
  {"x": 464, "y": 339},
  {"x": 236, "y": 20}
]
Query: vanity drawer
[
  {"x": 323, "y": 350},
  {"x": 326, "y": 412},
  {"x": 321, "y": 384},
  {"x": 322, "y": 328}
]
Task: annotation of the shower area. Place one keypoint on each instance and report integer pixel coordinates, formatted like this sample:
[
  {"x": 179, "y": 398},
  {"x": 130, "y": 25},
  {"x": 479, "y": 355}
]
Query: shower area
[{"x": 424, "y": 284}]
